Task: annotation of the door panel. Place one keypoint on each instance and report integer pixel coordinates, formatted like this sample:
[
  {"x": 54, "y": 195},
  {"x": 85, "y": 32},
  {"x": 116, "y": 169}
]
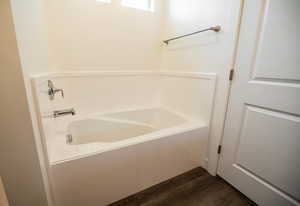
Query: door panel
[
  {"x": 268, "y": 134},
  {"x": 281, "y": 96},
  {"x": 280, "y": 29},
  {"x": 261, "y": 143}
]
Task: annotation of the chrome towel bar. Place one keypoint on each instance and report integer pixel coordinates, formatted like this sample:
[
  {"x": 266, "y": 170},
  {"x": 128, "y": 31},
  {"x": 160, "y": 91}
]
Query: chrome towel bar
[{"x": 215, "y": 29}]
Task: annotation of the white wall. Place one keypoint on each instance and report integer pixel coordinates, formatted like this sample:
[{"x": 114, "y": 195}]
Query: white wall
[
  {"x": 31, "y": 32},
  {"x": 207, "y": 52},
  {"x": 29, "y": 19},
  {"x": 96, "y": 92},
  {"x": 19, "y": 164},
  {"x": 90, "y": 35}
]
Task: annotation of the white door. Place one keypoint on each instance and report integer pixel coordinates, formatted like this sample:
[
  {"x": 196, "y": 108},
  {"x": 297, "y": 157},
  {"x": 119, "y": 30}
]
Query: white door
[{"x": 261, "y": 144}]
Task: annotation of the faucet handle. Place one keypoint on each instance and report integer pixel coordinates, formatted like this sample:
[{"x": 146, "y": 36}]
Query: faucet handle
[
  {"x": 52, "y": 90},
  {"x": 61, "y": 92}
]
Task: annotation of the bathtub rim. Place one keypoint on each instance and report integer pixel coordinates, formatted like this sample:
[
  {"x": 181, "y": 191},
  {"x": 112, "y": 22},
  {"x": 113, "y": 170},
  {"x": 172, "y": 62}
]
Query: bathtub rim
[
  {"x": 105, "y": 114},
  {"x": 89, "y": 73}
]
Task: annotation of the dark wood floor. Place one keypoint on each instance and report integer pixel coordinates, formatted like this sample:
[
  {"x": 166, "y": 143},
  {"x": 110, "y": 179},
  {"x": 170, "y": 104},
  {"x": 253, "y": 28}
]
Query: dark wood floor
[{"x": 194, "y": 188}]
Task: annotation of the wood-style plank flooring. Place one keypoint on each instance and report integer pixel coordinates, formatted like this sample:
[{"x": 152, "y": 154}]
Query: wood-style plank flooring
[{"x": 194, "y": 188}]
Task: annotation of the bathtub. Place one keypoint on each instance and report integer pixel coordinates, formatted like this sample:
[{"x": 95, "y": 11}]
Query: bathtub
[{"x": 102, "y": 158}]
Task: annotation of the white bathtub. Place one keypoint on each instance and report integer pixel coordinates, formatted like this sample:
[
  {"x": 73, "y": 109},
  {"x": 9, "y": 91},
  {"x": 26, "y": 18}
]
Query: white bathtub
[
  {"x": 103, "y": 132},
  {"x": 114, "y": 155}
]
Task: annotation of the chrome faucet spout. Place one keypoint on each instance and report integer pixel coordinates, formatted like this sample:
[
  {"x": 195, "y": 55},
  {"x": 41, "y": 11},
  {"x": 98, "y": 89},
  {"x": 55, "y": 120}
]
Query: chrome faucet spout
[{"x": 59, "y": 113}]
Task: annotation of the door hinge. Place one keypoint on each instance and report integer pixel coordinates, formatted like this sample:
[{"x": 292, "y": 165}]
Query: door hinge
[
  {"x": 219, "y": 149},
  {"x": 231, "y": 74}
]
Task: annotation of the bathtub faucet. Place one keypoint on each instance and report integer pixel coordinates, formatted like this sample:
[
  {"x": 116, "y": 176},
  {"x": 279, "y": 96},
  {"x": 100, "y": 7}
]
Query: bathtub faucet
[{"x": 59, "y": 113}]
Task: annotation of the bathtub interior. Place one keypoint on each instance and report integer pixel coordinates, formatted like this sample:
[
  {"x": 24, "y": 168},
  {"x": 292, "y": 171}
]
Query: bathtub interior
[
  {"x": 103, "y": 132},
  {"x": 99, "y": 130},
  {"x": 121, "y": 125}
]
